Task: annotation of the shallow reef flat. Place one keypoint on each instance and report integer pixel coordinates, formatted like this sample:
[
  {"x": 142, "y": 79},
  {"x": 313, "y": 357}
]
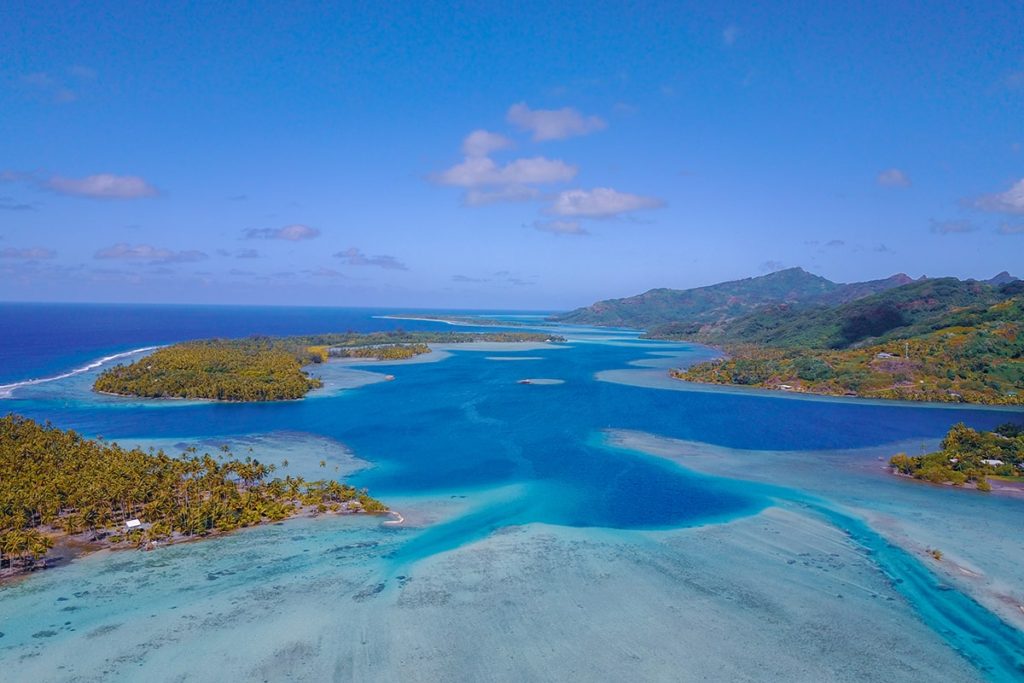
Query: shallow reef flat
[
  {"x": 976, "y": 533},
  {"x": 775, "y": 596},
  {"x": 591, "y": 530},
  {"x": 303, "y": 452}
]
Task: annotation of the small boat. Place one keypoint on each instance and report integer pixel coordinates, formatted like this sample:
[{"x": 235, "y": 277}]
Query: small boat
[
  {"x": 525, "y": 381},
  {"x": 389, "y": 378}
]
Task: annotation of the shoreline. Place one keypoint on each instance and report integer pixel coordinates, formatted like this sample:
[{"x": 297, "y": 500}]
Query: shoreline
[
  {"x": 67, "y": 548},
  {"x": 7, "y": 390},
  {"x": 768, "y": 392},
  {"x": 700, "y": 457},
  {"x": 844, "y": 396},
  {"x": 999, "y": 488}
]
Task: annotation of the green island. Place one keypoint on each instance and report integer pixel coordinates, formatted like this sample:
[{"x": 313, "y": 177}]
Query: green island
[
  {"x": 56, "y": 486},
  {"x": 969, "y": 457},
  {"x": 479, "y": 321},
  {"x": 976, "y": 355},
  {"x": 930, "y": 339},
  {"x": 270, "y": 368}
]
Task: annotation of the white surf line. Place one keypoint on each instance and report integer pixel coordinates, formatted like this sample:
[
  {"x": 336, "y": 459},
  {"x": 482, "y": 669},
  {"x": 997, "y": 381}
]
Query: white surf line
[
  {"x": 6, "y": 390},
  {"x": 396, "y": 522}
]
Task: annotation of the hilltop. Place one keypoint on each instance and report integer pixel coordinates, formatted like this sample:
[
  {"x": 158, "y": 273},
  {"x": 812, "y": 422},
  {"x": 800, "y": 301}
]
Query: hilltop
[
  {"x": 906, "y": 311},
  {"x": 934, "y": 339},
  {"x": 724, "y": 301},
  {"x": 931, "y": 340}
]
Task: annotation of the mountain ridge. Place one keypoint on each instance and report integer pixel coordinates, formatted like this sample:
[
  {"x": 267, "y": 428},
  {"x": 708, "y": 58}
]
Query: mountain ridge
[{"x": 784, "y": 299}]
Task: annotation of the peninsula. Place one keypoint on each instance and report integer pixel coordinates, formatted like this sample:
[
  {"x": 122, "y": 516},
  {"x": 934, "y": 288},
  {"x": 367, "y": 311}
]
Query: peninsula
[
  {"x": 270, "y": 368},
  {"x": 57, "y": 486}
]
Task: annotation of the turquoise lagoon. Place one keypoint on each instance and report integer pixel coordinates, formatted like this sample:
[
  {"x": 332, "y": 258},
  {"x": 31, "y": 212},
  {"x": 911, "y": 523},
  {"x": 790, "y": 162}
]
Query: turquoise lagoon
[{"x": 614, "y": 524}]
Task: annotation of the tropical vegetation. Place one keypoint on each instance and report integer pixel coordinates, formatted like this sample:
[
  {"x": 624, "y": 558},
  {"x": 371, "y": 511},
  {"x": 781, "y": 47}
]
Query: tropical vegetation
[
  {"x": 268, "y": 368},
  {"x": 977, "y": 358},
  {"x": 661, "y": 311},
  {"x": 55, "y": 482},
  {"x": 968, "y": 456}
]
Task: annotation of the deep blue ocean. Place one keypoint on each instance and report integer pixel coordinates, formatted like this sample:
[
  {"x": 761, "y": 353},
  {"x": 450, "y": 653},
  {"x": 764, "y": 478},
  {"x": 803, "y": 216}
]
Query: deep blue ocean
[{"x": 44, "y": 339}]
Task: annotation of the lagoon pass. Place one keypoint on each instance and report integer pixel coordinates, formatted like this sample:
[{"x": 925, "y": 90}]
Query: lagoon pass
[{"x": 601, "y": 521}]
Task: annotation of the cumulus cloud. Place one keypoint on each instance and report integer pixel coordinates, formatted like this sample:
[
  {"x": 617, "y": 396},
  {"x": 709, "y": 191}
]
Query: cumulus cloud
[
  {"x": 481, "y": 143},
  {"x": 560, "y": 227},
  {"x": 146, "y": 253},
  {"x": 103, "y": 186},
  {"x": 553, "y": 124},
  {"x": 512, "y": 193},
  {"x": 355, "y": 257},
  {"x": 483, "y": 171},
  {"x": 27, "y": 254},
  {"x": 893, "y": 177},
  {"x": 1011, "y": 229},
  {"x": 952, "y": 227},
  {"x": 1011, "y": 201},
  {"x": 290, "y": 233},
  {"x": 601, "y": 202}
]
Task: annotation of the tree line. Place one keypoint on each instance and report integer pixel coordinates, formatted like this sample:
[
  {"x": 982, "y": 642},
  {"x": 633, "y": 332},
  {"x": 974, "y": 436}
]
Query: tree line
[{"x": 54, "y": 481}]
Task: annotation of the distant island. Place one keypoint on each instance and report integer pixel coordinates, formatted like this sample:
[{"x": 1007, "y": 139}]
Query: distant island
[
  {"x": 56, "y": 485},
  {"x": 460, "y": 319},
  {"x": 969, "y": 457},
  {"x": 931, "y": 339},
  {"x": 270, "y": 368}
]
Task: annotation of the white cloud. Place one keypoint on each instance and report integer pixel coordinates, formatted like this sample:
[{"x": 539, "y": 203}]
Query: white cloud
[
  {"x": 103, "y": 186},
  {"x": 553, "y": 124},
  {"x": 952, "y": 227},
  {"x": 355, "y": 257},
  {"x": 560, "y": 227},
  {"x": 1011, "y": 201},
  {"x": 481, "y": 143},
  {"x": 1011, "y": 229},
  {"x": 290, "y": 233},
  {"x": 893, "y": 177},
  {"x": 149, "y": 254},
  {"x": 601, "y": 202},
  {"x": 482, "y": 171},
  {"x": 27, "y": 254},
  {"x": 512, "y": 193}
]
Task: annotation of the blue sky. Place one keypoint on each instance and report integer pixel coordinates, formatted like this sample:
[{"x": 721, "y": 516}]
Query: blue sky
[{"x": 501, "y": 155}]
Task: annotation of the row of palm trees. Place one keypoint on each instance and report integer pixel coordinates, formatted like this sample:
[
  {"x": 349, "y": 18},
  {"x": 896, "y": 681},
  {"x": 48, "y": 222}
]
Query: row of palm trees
[{"x": 54, "y": 481}]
